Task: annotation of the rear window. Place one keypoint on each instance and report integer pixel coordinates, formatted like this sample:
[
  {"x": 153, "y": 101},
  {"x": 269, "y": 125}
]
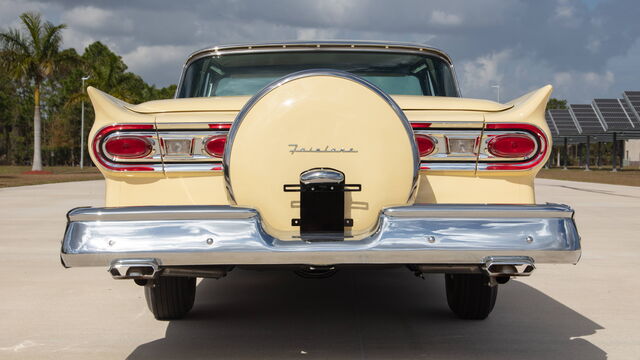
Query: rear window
[{"x": 246, "y": 74}]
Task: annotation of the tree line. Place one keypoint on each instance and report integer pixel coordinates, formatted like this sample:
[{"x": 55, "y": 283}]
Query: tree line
[{"x": 41, "y": 92}]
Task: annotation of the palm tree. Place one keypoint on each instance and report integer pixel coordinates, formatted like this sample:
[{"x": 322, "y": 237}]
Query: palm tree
[{"x": 33, "y": 57}]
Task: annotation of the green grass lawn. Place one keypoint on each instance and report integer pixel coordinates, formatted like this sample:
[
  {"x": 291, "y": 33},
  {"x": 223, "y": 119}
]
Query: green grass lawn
[
  {"x": 13, "y": 175},
  {"x": 605, "y": 176}
]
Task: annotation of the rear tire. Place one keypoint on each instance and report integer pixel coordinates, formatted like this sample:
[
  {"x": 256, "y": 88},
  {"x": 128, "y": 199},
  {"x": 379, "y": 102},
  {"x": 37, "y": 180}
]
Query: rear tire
[
  {"x": 469, "y": 295},
  {"x": 170, "y": 298}
]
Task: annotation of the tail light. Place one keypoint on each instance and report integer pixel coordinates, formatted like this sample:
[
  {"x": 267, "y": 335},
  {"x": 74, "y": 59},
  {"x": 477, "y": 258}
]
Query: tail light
[
  {"x": 474, "y": 146},
  {"x": 129, "y": 142},
  {"x": 165, "y": 148},
  {"x": 215, "y": 145},
  {"x": 127, "y": 147},
  {"x": 426, "y": 144},
  {"x": 511, "y": 146}
]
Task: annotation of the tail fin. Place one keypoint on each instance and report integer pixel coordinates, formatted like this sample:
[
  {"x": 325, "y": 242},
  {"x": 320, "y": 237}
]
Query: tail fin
[
  {"x": 532, "y": 104},
  {"x": 109, "y": 110}
]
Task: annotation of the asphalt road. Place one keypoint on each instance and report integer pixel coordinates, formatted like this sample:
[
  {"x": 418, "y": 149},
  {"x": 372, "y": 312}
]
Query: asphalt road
[{"x": 588, "y": 311}]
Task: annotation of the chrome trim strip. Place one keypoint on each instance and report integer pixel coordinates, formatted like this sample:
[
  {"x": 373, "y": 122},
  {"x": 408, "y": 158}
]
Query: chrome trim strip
[
  {"x": 481, "y": 211},
  {"x": 314, "y": 45},
  {"x": 447, "y": 166},
  {"x": 318, "y": 72},
  {"x": 211, "y": 167},
  {"x": 470, "y": 125},
  {"x": 219, "y": 235},
  {"x": 185, "y": 126},
  {"x": 177, "y": 212}
]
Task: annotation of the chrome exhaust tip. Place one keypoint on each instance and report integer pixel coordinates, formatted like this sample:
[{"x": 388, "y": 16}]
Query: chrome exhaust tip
[
  {"x": 500, "y": 266},
  {"x": 141, "y": 269}
]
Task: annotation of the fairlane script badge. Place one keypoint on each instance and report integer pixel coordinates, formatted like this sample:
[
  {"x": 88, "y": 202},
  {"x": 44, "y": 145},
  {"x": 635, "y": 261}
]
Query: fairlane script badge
[{"x": 294, "y": 148}]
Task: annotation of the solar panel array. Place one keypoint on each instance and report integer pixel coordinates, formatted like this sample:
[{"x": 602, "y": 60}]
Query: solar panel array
[
  {"x": 600, "y": 119},
  {"x": 586, "y": 117},
  {"x": 551, "y": 124},
  {"x": 633, "y": 104},
  {"x": 611, "y": 111},
  {"x": 564, "y": 122}
]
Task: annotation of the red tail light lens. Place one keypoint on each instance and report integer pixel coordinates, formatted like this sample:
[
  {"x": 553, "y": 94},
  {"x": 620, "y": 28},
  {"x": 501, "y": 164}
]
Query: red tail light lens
[
  {"x": 511, "y": 146},
  {"x": 215, "y": 145},
  {"x": 426, "y": 144},
  {"x": 128, "y": 147}
]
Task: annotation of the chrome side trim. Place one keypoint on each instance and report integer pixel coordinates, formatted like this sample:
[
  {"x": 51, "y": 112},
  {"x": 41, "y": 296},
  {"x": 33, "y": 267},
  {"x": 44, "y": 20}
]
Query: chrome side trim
[
  {"x": 318, "y": 72},
  {"x": 224, "y": 235}
]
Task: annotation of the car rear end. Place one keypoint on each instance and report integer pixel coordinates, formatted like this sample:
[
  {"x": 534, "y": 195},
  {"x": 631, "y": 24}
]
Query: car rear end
[{"x": 321, "y": 169}]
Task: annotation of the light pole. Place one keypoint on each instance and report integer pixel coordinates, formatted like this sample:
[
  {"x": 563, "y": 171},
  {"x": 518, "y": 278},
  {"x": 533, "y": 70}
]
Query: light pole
[
  {"x": 84, "y": 78},
  {"x": 497, "y": 86}
]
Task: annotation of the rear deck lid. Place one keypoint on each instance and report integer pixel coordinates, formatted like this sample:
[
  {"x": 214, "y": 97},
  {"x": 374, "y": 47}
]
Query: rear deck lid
[{"x": 235, "y": 103}]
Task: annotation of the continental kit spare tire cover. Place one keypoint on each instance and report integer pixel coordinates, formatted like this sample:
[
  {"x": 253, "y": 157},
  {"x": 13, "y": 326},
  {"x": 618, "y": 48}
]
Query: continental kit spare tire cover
[{"x": 320, "y": 119}]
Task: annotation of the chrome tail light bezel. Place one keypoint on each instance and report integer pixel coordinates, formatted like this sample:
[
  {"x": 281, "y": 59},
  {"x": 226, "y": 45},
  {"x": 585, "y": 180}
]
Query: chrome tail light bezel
[
  {"x": 537, "y": 156},
  {"x": 197, "y": 159},
  {"x": 479, "y": 158}
]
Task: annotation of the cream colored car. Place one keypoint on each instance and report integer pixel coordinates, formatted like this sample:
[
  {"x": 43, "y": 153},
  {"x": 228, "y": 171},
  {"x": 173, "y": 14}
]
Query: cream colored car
[{"x": 315, "y": 156}]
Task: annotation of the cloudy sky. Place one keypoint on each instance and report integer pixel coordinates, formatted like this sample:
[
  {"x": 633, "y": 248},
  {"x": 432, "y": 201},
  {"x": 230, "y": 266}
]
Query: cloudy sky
[{"x": 585, "y": 48}]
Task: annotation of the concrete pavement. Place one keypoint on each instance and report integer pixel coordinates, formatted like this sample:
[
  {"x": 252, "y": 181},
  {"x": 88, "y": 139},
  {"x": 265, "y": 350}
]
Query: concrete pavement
[{"x": 588, "y": 311}]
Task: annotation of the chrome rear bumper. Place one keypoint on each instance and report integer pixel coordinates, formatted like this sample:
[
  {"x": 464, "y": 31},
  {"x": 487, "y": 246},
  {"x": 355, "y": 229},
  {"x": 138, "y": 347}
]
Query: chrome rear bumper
[{"x": 225, "y": 235}]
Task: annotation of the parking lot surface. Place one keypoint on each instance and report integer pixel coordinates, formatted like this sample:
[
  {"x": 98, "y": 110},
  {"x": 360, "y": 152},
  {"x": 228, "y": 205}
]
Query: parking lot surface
[{"x": 588, "y": 311}]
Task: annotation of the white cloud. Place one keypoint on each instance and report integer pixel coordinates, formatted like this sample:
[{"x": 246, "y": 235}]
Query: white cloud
[
  {"x": 316, "y": 34},
  {"x": 147, "y": 60},
  {"x": 88, "y": 17},
  {"x": 479, "y": 74},
  {"x": 439, "y": 17},
  {"x": 582, "y": 87},
  {"x": 564, "y": 11},
  {"x": 94, "y": 18}
]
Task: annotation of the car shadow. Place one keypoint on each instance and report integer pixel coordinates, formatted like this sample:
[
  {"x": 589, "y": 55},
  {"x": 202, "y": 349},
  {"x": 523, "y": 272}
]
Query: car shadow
[{"x": 375, "y": 314}]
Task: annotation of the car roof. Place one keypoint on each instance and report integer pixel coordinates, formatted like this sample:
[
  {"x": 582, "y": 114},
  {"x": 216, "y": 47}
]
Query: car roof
[{"x": 344, "y": 45}]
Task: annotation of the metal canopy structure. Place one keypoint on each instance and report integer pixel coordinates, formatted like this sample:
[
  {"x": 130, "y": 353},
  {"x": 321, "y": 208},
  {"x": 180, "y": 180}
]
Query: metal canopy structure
[
  {"x": 563, "y": 122},
  {"x": 604, "y": 120},
  {"x": 632, "y": 102},
  {"x": 551, "y": 124},
  {"x": 602, "y": 117},
  {"x": 586, "y": 119},
  {"x": 613, "y": 115}
]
